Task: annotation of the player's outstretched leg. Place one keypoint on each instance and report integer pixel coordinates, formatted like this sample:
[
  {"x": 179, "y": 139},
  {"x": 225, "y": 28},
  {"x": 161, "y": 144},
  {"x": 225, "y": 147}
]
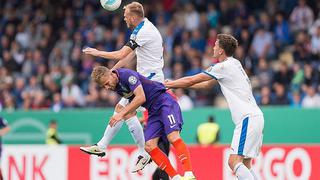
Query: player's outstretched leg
[
  {"x": 183, "y": 154},
  {"x": 99, "y": 148}
]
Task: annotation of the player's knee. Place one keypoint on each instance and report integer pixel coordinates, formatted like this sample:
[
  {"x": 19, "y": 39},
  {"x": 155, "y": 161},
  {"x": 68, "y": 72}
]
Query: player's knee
[
  {"x": 231, "y": 163},
  {"x": 172, "y": 137},
  {"x": 130, "y": 115},
  {"x": 247, "y": 163},
  {"x": 149, "y": 146},
  {"x": 118, "y": 108},
  {"x": 234, "y": 159}
]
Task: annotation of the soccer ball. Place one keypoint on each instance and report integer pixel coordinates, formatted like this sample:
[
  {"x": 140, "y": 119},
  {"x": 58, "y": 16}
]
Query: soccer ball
[{"x": 110, "y": 5}]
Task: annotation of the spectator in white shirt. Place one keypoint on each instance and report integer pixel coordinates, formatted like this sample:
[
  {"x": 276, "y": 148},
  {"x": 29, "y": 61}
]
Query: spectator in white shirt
[
  {"x": 315, "y": 42},
  {"x": 191, "y": 18},
  {"x": 184, "y": 100},
  {"x": 301, "y": 17},
  {"x": 262, "y": 45},
  {"x": 315, "y": 25},
  {"x": 72, "y": 95},
  {"x": 312, "y": 98}
]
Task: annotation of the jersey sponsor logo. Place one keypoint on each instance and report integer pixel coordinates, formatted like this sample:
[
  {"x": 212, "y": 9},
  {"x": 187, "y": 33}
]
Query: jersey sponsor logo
[{"x": 132, "y": 80}]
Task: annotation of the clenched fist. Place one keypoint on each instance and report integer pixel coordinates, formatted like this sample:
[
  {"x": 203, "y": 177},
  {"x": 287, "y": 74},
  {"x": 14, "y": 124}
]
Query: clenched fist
[
  {"x": 167, "y": 83},
  {"x": 91, "y": 51}
]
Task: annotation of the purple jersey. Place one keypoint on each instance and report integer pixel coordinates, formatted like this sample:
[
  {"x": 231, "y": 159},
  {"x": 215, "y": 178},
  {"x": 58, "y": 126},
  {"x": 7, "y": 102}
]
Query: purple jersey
[
  {"x": 129, "y": 80},
  {"x": 164, "y": 112}
]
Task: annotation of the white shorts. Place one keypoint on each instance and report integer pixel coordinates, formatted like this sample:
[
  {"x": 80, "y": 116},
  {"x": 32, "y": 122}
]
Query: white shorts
[
  {"x": 159, "y": 77},
  {"x": 248, "y": 136}
]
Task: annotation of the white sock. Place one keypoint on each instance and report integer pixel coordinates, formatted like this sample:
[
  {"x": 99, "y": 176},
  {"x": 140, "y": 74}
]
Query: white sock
[
  {"x": 255, "y": 177},
  {"x": 136, "y": 131},
  {"x": 109, "y": 133},
  {"x": 242, "y": 172},
  {"x": 188, "y": 174}
]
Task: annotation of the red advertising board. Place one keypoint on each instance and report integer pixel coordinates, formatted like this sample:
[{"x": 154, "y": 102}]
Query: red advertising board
[
  {"x": 281, "y": 162},
  {"x": 274, "y": 162}
]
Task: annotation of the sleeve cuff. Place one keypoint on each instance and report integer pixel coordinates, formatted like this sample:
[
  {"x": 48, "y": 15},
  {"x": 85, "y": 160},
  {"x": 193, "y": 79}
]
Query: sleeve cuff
[{"x": 205, "y": 72}]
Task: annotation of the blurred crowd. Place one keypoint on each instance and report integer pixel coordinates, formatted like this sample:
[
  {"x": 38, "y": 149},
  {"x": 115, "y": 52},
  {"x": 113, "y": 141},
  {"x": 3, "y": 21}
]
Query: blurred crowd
[{"x": 42, "y": 65}]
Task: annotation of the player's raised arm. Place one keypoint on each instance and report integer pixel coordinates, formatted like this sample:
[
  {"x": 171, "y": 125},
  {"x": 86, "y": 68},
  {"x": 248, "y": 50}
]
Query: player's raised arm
[
  {"x": 113, "y": 55},
  {"x": 188, "y": 81},
  {"x": 204, "y": 85},
  {"x": 125, "y": 61}
]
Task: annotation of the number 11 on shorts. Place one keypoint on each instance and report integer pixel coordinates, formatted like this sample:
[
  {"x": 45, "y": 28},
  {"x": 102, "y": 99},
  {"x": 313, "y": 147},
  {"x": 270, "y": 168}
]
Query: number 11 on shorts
[{"x": 171, "y": 119}]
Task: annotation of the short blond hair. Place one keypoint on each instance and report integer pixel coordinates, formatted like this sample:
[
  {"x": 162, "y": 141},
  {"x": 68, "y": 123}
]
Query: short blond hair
[
  {"x": 98, "y": 72},
  {"x": 135, "y": 8}
]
